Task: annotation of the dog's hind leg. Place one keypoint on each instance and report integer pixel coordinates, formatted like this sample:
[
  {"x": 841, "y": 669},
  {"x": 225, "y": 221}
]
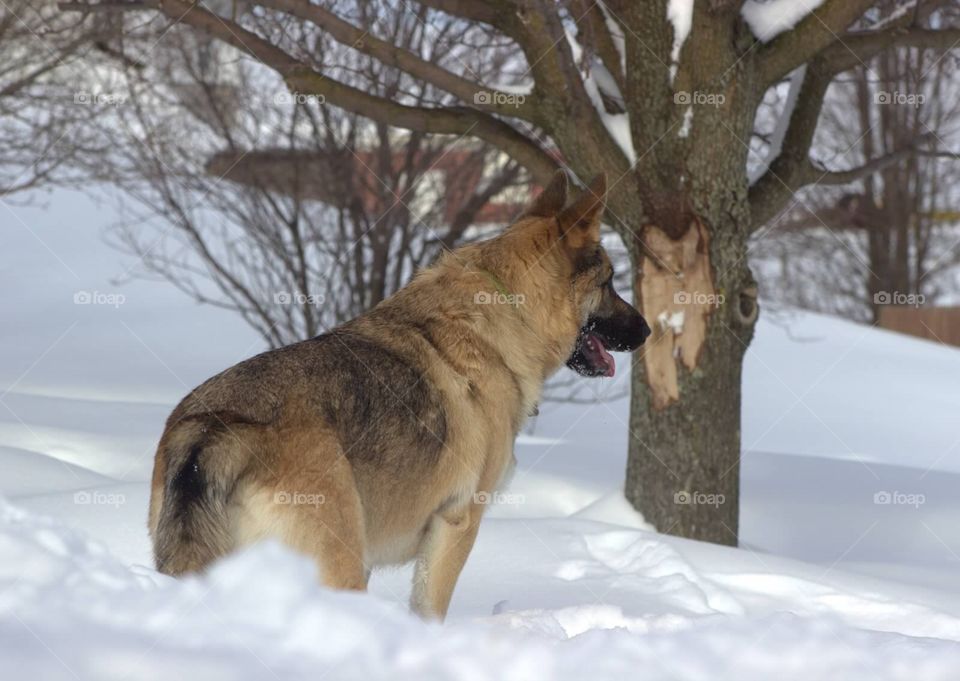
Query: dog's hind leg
[
  {"x": 442, "y": 554},
  {"x": 312, "y": 505},
  {"x": 449, "y": 538}
]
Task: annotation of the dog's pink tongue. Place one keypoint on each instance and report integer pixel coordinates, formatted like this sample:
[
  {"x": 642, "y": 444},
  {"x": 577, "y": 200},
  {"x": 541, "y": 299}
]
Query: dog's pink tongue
[
  {"x": 608, "y": 358},
  {"x": 597, "y": 345}
]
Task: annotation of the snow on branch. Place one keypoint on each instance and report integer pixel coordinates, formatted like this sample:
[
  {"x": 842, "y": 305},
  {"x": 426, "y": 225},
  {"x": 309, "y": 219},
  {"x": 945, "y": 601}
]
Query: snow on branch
[
  {"x": 597, "y": 82},
  {"x": 817, "y": 29},
  {"x": 680, "y": 16},
  {"x": 769, "y": 18}
]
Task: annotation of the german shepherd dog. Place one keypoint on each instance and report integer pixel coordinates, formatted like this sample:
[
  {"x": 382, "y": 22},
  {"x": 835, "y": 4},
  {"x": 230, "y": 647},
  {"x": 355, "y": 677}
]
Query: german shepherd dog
[{"x": 378, "y": 442}]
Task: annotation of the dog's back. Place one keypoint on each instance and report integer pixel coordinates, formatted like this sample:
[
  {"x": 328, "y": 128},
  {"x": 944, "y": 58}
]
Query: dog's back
[{"x": 240, "y": 439}]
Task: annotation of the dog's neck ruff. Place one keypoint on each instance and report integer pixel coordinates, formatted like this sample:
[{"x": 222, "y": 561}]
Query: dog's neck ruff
[{"x": 532, "y": 407}]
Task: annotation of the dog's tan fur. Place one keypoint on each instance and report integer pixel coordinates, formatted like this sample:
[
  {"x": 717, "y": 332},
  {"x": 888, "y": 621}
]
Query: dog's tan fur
[{"x": 382, "y": 434}]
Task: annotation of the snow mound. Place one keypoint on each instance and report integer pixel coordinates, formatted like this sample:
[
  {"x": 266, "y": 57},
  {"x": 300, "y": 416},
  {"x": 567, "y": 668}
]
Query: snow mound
[{"x": 69, "y": 610}]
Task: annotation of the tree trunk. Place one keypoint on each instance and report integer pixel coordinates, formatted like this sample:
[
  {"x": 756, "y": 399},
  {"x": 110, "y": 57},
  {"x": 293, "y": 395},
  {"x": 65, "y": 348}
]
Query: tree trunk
[{"x": 683, "y": 469}]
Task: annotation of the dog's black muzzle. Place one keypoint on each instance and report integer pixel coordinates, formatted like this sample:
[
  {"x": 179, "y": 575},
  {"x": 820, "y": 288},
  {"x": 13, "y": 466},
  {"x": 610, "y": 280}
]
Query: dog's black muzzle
[{"x": 624, "y": 331}]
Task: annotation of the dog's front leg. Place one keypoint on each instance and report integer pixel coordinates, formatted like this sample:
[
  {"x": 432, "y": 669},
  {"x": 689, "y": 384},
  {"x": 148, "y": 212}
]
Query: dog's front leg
[{"x": 442, "y": 554}]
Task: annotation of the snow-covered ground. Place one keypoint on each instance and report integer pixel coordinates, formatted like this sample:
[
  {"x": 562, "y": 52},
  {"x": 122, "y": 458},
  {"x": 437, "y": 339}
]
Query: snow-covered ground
[{"x": 850, "y": 532}]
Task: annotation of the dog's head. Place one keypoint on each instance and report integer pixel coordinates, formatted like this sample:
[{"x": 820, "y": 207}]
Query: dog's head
[{"x": 607, "y": 322}]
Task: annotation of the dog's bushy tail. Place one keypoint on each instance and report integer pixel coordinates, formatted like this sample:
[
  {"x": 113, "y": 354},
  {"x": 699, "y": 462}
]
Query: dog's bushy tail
[{"x": 204, "y": 459}]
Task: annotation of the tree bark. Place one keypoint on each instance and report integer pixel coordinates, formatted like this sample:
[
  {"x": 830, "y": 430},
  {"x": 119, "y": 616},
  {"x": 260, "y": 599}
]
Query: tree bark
[
  {"x": 692, "y": 280},
  {"x": 683, "y": 467}
]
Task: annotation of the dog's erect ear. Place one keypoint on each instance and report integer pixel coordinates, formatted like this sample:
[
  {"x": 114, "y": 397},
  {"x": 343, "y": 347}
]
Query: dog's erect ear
[
  {"x": 551, "y": 200},
  {"x": 580, "y": 222}
]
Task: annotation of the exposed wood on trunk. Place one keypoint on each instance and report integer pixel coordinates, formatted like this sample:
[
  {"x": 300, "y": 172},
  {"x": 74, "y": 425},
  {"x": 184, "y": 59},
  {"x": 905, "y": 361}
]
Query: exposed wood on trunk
[{"x": 677, "y": 297}]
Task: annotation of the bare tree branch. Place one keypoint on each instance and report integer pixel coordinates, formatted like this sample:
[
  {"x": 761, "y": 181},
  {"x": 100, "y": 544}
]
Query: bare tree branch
[
  {"x": 301, "y": 78},
  {"x": 820, "y": 29},
  {"x": 389, "y": 54},
  {"x": 790, "y": 170},
  {"x": 491, "y": 13},
  {"x": 793, "y": 169},
  {"x": 819, "y": 175},
  {"x": 855, "y": 49}
]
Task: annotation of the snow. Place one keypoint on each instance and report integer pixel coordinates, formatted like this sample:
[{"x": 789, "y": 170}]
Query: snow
[
  {"x": 566, "y": 580},
  {"x": 672, "y": 321},
  {"x": 523, "y": 88},
  {"x": 680, "y": 15},
  {"x": 895, "y": 14},
  {"x": 769, "y": 18},
  {"x": 116, "y": 623},
  {"x": 684, "y": 131},
  {"x": 612, "y": 600},
  {"x": 618, "y": 125}
]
